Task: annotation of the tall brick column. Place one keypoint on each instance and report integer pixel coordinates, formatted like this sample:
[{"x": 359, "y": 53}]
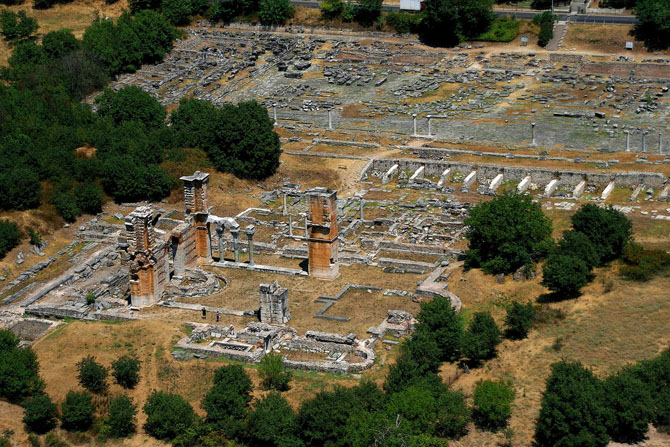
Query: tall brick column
[
  {"x": 196, "y": 201},
  {"x": 322, "y": 233}
]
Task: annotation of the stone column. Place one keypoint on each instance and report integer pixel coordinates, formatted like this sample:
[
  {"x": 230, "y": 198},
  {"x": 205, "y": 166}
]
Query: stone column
[
  {"x": 219, "y": 233},
  {"x": 290, "y": 225},
  {"x": 414, "y": 122},
  {"x": 627, "y": 132},
  {"x": 236, "y": 234},
  {"x": 429, "y": 117},
  {"x": 533, "y": 142},
  {"x": 306, "y": 231},
  {"x": 250, "y": 230},
  {"x": 284, "y": 213},
  {"x": 361, "y": 206},
  {"x": 274, "y": 112},
  {"x": 330, "y": 119},
  {"x": 644, "y": 141},
  {"x": 660, "y": 144}
]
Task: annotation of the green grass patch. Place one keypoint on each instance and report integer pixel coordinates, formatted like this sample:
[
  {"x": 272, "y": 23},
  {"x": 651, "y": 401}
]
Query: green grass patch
[{"x": 502, "y": 29}]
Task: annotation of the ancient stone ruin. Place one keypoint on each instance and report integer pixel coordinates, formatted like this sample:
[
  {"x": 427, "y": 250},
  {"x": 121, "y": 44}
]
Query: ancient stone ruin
[
  {"x": 323, "y": 233},
  {"x": 274, "y": 304}
]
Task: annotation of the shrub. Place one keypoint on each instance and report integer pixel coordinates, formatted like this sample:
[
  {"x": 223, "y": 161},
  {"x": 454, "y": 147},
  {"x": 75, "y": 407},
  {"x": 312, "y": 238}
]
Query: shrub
[
  {"x": 126, "y": 370},
  {"x": 546, "y": 33},
  {"x": 9, "y": 236},
  {"x": 88, "y": 197},
  {"x": 57, "y": 44},
  {"x": 16, "y": 26},
  {"x": 349, "y": 11},
  {"x": 642, "y": 264},
  {"x": 40, "y": 414},
  {"x": 481, "y": 338},
  {"x": 445, "y": 22},
  {"x": 121, "y": 421},
  {"x": 18, "y": 369},
  {"x": 578, "y": 244},
  {"x": 131, "y": 104},
  {"x": 77, "y": 411},
  {"x": 503, "y": 29},
  {"x": 423, "y": 348},
  {"x": 227, "y": 401},
  {"x": 492, "y": 405},
  {"x": 565, "y": 275},
  {"x": 507, "y": 233},
  {"x": 140, "y": 5},
  {"x": 178, "y": 12},
  {"x": 275, "y": 12},
  {"x": 66, "y": 205},
  {"x": 92, "y": 375},
  {"x": 272, "y": 422},
  {"x": 608, "y": 229},
  {"x": 403, "y": 22},
  {"x": 632, "y": 405},
  {"x": 573, "y": 411},
  {"x": 653, "y": 26},
  {"x": 273, "y": 374},
  {"x": 168, "y": 415},
  {"x": 19, "y": 189},
  {"x": 519, "y": 320},
  {"x": 453, "y": 415},
  {"x": 439, "y": 319},
  {"x": 368, "y": 11},
  {"x": 331, "y": 9}
]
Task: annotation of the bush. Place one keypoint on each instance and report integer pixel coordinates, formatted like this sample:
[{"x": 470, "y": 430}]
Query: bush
[
  {"x": 423, "y": 348},
  {"x": 453, "y": 415},
  {"x": 126, "y": 370},
  {"x": 168, "y": 415},
  {"x": 77, "y": 411},
  {"x": 227, "y": 401},
  {"x": 89, "y": 198},
  {"x": 16, "y": 26},
  {"x": 653, "y": 25},
  {"x": 57, "y": 44},
  {"x": 565, "y": 275},
  {"x": 546, "y": 33},
  {"x": 121, "y": 421},
  {"x": 272, "y": 422},
  {"x": 445, "y": 22},
  {"x": 507, "y": 233},
  {"x": 642, "y": 264},
  {"x": 19, "y": 189},
  {"x": 272, "y": 373},
  {"x": 131, "y": 104},
  {"x": 66, "y": 205},
  {"x": 40, "y": 414},
  {"x": 481, "y": 338},
  {"x": 578, "y": 244},
  {"x": 492, "y": 405},
  {"x": 140, "y": 5},
  {"x": 349, "y": 11},
  {"x": 18, "y": 369},
  {"x": 275, "y": 12},
  {"x": 92, "y": 375},
  {"x": 519, "y": 320},
  {"x": 608, "y": 230},
  {"x": 573, "y": 411},
  {"x": 331, "y": 9},
  {"x": 503, "y": 29},
  {"x": 368, "y": 11},
  {"x": 540, "y": 4},
  {"x": 438, "y": 319},
  {"x": 632, "y": 405},
  {"x": 403, "y": 22},
  {"x": 10, "y": 236},
  {"x": 178, "y": 12}
]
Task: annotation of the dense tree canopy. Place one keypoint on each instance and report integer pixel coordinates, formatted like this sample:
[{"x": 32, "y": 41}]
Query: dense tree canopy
[
  {"x": 19, "y": 369},
  {"x": 447, "y": 22},
  {"x": 565, "y": 275},
  {"x": 10, "y": 235},
  {"x": 77, "y": 411},
  {"x": 275, "y": 12},
  {"x": 481, "y": 338},
  {"x": 121, "y": 420},
  {"x": 439, "y": 319},
  {"x": 653, "y": 25},
  {"x": 40, "y": 414},
  {"x": 493, "y": 404},
  {"x": 168, "y": 415},
  {"x": 506, "y": 233},
  {"x": 608, "y": 230},
  {"x": 272, "y": 423},
  {"x": 519, "y": 320},
  {"x": 126, "y": 371},
  {"x": 92, "y": 375}
]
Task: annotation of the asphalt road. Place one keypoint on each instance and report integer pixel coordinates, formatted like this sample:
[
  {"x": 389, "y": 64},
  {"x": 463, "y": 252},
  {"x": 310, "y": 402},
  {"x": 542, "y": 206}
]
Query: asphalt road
[{"x": 528, "y": 15}]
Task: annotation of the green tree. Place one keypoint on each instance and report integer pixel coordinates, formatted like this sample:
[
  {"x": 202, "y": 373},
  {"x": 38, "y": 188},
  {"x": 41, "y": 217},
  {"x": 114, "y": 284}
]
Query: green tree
[
  {"x": 168, "y": 415},
  {"x": 17, "y": 26},
  {"x": 140, "y": 5},
  {"x": 57, "y": 44},
  {"x": 492, "y": 404},
  {"x": 519, "y": 320},
  {"x": 578, "y": 244},
  {"x": 88, "y": 197},
  {"x": 653, "y": 23},
  {"x": 178, "y": 12},
  {"x": 126, "y": 371},
  {"x": 19, "y": 369},
  {"x": 121, "y": 421},
  {"x": 92, "y": 375},
  {"x": 66, "y": 204},
  {"x": 481, "y": 338},
  {"x": 422, "y": 347},
  {"x": 272, "y": 422},
  {"x": 368, "y": 11},
  {"x": 19, "y": 189},
  {"x": 40, "y": 414},
  {"x": 632, "y": 406},
  {"x": 453, "y": 415},
  {"x": 193, "y": 124},
  {"x": 608, "y": 229},
  {"x": 226, "y": 402},
  {"x": 323, "y": 419},
  {"x": 446, "y": 22},
  {"x": 507, "y": 233},
  {"x": 546, "y": 33},
  {"x": 573, "y": 412},
  {"x": 10, "y": 236},
  {"x": 131, "y": 104},
  {"x": 565, "y": 275},
  {"x": 331, "y": 9},
  {"x": 439, "y": 319},
  {"x": 275, "y": 12},
  {"x": 405, "y": 372},
  {"x": 273, "y": 374},
  {"x": 77, "y": 411}
]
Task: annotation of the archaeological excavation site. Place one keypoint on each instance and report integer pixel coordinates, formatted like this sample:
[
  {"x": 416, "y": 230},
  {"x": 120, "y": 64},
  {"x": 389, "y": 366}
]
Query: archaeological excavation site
[{"x": 390, "y": 152}]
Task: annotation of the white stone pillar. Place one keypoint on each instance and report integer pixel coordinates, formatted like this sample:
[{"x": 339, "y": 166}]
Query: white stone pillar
[
  {"x": 250, "y": 230},
  {"x": 219, "y": 233},
  {"x": 429, "y": 117},
  {"x": 414, "y": 122},
  {"x": 290, "y": 225},
  {"x": 330, "y": 119},
  {"x": 660, "y": 144},
  {"x": 627, "y": 132},
  {"x": 284, "y": 212},
  {"x": 533, "y": 142},
  {"x": 361, "y": 209},
  {"x": 236, "y": 234},
  {"x": 644, "y": 141},
  {"x": 274, "y": 112}
]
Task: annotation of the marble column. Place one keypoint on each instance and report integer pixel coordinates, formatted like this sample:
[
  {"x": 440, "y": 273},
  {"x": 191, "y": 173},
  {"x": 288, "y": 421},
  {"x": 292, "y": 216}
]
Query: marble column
[
  {"x": 250, "y": 230},
  {"x": 236, "y": 234}
]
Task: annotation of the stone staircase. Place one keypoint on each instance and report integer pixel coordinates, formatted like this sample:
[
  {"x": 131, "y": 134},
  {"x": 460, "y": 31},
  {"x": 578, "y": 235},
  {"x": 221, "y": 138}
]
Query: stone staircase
[{"x": 560, "y": 29}]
